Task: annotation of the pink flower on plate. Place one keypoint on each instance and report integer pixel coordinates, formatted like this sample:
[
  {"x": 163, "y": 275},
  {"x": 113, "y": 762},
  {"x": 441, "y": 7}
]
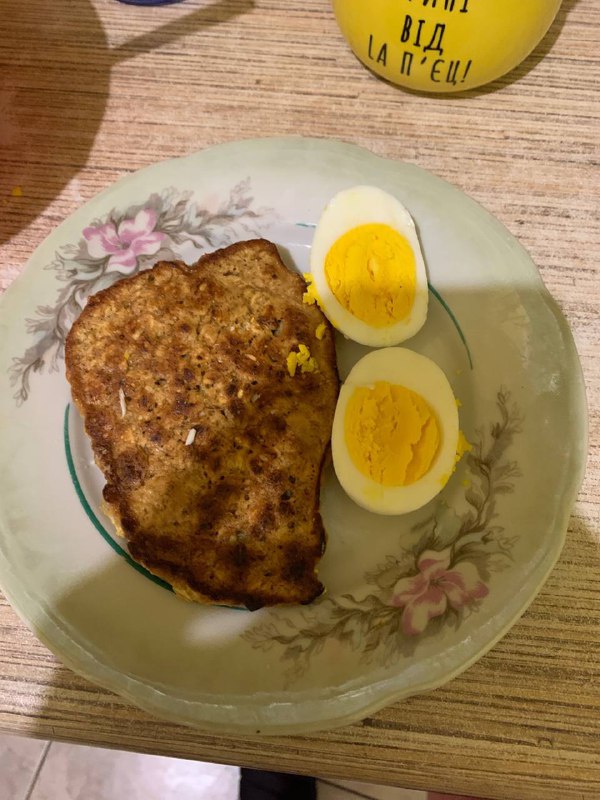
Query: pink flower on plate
[
  {"x": 125, "y": 243},
  {"x": 435, "y": 587}
]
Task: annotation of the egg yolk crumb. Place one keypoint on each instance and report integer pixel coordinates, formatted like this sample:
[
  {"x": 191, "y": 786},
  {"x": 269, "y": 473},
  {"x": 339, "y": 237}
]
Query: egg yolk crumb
[
  {"x": 462, "y": 446},
  {"x": 302, "y": 359},
  {"x": 371, "y": 271},
  {"x": 310, "y": 296},
  {"x": 392, "y": 433},
  {"x": 320, "y": 331}
]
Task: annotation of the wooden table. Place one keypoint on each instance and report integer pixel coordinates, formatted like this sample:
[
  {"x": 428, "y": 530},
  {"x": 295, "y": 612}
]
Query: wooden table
[{"x": 90, "y": 91}]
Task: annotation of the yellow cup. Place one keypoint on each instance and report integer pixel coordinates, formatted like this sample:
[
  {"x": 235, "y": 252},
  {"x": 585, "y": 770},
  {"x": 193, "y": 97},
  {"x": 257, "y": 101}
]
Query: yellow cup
[{"x": 443, "y": 45}]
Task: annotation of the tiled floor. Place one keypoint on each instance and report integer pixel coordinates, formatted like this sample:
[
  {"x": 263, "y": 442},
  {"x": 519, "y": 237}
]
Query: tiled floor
[{"x": 36, "y": 770}]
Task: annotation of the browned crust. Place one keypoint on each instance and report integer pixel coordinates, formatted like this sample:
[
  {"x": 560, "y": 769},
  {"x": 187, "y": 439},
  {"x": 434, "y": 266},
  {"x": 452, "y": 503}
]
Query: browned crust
[{"x": 234, "y": 517}]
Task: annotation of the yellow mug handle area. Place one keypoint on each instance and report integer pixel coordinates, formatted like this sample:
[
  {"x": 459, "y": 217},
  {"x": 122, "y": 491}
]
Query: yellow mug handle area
[{"x": 443, "y": 45}]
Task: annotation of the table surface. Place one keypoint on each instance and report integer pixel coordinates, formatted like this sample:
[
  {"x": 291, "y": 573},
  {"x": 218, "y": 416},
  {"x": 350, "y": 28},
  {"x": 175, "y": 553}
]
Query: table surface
[{"x": 90, "y": 91}]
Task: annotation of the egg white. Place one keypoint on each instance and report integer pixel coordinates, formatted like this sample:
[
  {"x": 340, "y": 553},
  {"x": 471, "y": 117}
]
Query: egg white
[
  {"x": 362, "y": 205},
  {"x": 401, "y": 367}
]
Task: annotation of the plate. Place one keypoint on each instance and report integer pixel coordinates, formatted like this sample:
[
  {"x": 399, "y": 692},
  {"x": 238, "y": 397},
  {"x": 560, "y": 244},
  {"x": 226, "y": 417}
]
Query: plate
[{"x": 411, "y": 601}]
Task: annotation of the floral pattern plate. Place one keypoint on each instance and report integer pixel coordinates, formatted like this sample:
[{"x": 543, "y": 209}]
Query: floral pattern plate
[{"x": 411, "y": 601}]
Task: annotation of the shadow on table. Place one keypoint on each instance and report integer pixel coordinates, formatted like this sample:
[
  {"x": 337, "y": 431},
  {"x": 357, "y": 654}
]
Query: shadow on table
[{"x": 53, "y": 94}]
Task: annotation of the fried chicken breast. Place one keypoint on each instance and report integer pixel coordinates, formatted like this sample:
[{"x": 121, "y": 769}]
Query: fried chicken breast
[{"x": 212, "y": 451}]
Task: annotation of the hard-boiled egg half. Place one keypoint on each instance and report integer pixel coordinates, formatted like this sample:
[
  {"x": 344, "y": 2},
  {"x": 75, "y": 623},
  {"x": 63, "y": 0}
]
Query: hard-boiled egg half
[
  {"x": 367, "y": 269},
  {"x": 395, "y": 439}
]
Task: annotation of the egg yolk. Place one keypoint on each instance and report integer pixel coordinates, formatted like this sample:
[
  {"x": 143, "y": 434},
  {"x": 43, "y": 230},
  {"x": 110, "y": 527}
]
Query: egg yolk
[
  {"x": 310, "y": 296},
  {"x": 372, "y": 273},
  {"x": 302, "y": 359},
  {"x": 463, "y": 446},
  {"x": 391, "y": 432}
]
